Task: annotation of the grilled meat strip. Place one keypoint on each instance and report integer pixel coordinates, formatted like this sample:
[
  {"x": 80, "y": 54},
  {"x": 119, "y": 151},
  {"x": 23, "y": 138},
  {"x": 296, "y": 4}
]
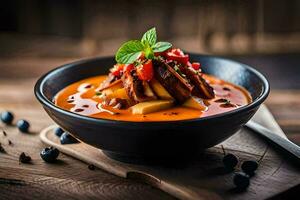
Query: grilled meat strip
[
  {"x": 109, "y": 81},
  {"x": 201, "y": 88},
  {"x": 117, "y": 103},
  {"x": 136, "y": 89},
  {"x": 177, "y": 86}
]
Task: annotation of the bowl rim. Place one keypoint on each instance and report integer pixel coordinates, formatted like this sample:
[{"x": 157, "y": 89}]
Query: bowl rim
[{"x": 46, "y": 102}]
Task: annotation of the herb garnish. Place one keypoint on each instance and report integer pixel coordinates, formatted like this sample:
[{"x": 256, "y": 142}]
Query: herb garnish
[
  {"x": 176, "y": 68},
  {"x": 130, "y": 51},
  {"x": 98, "y": 93}
]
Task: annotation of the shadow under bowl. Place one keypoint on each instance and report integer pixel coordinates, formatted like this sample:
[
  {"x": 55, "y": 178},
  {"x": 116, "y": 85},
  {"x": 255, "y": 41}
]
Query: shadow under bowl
[{"x": 127, "y": 141}]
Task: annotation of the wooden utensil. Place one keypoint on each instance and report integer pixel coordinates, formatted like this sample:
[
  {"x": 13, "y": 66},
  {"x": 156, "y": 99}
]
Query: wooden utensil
[{"x": 284, "y": 143}]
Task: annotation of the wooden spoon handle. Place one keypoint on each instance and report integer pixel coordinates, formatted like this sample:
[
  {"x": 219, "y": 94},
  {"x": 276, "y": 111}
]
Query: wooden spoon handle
[{"x": 284, "y": 143}]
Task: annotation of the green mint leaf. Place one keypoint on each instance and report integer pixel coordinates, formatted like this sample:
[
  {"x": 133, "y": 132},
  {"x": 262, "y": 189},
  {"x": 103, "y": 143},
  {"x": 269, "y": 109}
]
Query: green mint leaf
[
  {"x": 149, "y": 37},
  {"x": 161, "y": 46},
  {"x": 149, "y": 52},
  {"x": 129, "y": 52}
]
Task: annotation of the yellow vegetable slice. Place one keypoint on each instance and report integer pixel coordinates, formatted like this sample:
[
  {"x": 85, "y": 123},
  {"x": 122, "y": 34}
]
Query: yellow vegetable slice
[
  {"x": 120, "y": 93},
  {"x": 109, "y": 91},
  {"x": 195, "y": 103},
  {"x": 159, "y": 90},
  {"x": 147, "y": 90},
  {"x": 151, "y": 106}
]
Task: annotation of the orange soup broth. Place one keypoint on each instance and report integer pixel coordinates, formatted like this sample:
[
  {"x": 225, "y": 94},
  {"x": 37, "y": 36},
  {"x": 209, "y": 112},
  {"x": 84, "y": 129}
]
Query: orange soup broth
[{"x": 81, "y": 98}]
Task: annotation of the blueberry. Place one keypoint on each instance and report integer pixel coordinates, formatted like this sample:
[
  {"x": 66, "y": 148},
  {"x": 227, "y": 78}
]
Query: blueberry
[
  {"x": 58, "y": 131},
  {"x": 2, "y": 150},
  {"x": 230, "y": 161},
  {"x": 23, "y": 125},
  {"x": 7, "y": 117},
  {"x": 241, "y": 180},
  {"x": 23, "y": 158},
  {"x": 249, "y": 167},
  {"x": 49, "y": 154},
  {"x": 91, "y": 167},
  {"x": 66, "y": 138}
]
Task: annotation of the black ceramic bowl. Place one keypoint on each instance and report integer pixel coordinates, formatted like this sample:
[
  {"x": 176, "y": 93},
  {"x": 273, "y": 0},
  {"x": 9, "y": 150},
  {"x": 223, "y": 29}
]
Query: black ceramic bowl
[{"x": 156, "y": 140}]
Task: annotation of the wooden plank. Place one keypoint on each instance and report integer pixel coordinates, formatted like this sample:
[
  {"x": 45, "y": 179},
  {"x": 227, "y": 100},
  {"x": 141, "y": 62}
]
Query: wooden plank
[
  {"x": 69, "y": 178},
  {"x": 196, "y": 180},
  {"x": 17, "y": 95}
]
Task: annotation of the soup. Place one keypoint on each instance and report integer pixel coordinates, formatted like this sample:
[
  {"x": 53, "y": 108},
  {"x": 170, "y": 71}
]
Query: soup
[
  {"x": 152, "y": 81},
  {"x": 81, "y": 98}
]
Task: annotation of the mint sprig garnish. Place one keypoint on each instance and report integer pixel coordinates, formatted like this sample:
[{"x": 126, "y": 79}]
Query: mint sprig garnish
[
  {"x": 130, "y": 51},
  {"x": 149, "y": 37},
  {"x": 161, "y": 46}
]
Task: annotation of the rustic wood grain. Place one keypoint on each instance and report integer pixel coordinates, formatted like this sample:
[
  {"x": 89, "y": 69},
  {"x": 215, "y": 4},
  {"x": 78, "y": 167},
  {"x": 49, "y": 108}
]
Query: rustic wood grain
[
  {"x": 71, "y": 177},
  {"x": 199, "y": 179}
]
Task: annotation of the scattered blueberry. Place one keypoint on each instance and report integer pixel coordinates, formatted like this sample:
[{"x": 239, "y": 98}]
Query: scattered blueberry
[
  {"x": 66, "y": 138},
  {"x": 58, "y": 131},
  {"x": 23, "y": 158},
  {"x": 23, "y": 125},
  {"x": 91, "y": 167},
  {"x": 241, "y": 180},
  {"x": 2, "y": 150},
  {"x": 7, "y": 117},
  {"x": 230, "y": 161},
  {"x": 249, "y": 167},
  {"x": 49, "y": 154}
]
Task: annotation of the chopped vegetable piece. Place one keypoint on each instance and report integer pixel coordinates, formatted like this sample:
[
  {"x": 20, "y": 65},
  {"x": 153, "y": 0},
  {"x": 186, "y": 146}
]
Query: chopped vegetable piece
[
  {"x": 119, "y": 93},
  {"x": 159, "y": 90},
  {"x": 112, "y": 89},
  {"x": 195, "y": 103},
  {"x": 145, "y": 71},
  {"x": 128, "y": 67},
  {"x": 151, "y": 106},
  {"x": 177, "y": 55},
  {"x": 119, "y": 68},
  {"x": 148, "y": 91},
  {"x": 116, "y": 70},
  {"x": 196, "y": 65}
]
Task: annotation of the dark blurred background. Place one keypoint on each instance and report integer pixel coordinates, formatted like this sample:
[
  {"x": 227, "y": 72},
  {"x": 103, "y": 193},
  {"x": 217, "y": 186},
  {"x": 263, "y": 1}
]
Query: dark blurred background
[{"x": 36, "y": 35}]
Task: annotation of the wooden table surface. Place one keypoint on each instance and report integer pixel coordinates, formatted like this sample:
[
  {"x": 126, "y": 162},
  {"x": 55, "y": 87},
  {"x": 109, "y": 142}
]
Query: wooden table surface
[{"x": 70, "y": 178}]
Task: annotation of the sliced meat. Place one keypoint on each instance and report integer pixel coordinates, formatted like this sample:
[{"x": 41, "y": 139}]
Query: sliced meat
[
  {"x": 117, "y": 103},
  {"x": 136, "y": 89},
  {"x": 201, "y": 88},
  {"x": 109, "y": 81},
  {"x": 177, "y": 86}
]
